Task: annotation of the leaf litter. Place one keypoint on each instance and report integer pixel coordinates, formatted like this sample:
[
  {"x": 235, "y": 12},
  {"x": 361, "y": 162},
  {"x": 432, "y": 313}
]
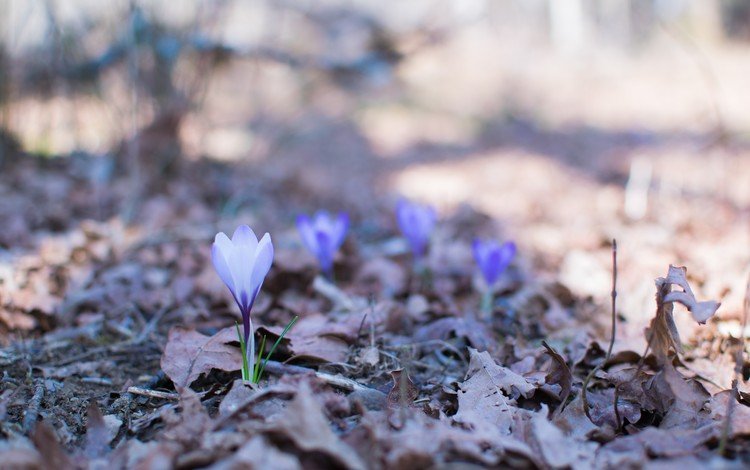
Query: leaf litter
[{"x": 131, "y": 358}]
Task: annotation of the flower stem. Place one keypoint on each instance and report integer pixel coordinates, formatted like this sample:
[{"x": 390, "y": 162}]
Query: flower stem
[
  {"x": 248, "y": 358},
  {"x": 243, "y": 351},
  {"x": 487, "y": 301},
  {"x": 261, "y": 365}
]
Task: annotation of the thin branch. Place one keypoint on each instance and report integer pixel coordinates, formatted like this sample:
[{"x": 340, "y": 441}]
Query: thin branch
[
  {"x": 32, "y": 412},
  {"x": 613, "y": 306},
  {"x": 153, "y": 393}
]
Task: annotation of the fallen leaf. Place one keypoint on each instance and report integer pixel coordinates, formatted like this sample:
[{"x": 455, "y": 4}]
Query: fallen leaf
[
  {"x": 97, "y": 435},
  {"x": 662, "y": 333},
  {"x": 559, "y": 374},
  {"x": 305, "y": 424},
  {"x": 258, "y": 453},
  {"x": 740, "y": 419},
  {"x": 188, "y": 354},
  {"x": 403, "y": 391},
  {"x": 476, "y": 333},
  {"x": 489, "y": 393},
  {"x": 318, "y": 338},
  {"x": 687, "y": 400},
  {"x": 46, "y": 443},
  {"x": 558, "y": 449}
]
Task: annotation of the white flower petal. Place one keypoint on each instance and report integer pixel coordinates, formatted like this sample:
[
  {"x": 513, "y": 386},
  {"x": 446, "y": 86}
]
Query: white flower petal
[
  {"x": 262, "y": 263},
  {"x": 241, "y": 264},
  {"x": 307, "y": 233},
  {"x": 221, "y": 251},
  {"x": 244, "y": 239}
]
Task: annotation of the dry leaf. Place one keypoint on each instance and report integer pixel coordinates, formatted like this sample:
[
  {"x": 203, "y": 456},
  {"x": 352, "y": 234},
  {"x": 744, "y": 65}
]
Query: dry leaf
[
  {"x": 403, "y": 391},
  {"x": 188, "y": 354},
  {"x": 687, "y": 400},
  {"x": 662, "y": 333},
  {"x": 318, "y": 338},
  {"x": 258, "y": 454},
  {"x": 477, "y": 333},
  {"x": 489, "y": 393},
  {"x": 97, "y": 434},
  {"x": 559, "y": 374},
  {"x": 46, "y": 443},
  {"x": 557, "y": 449},
  {"x": 305, "y": 424}
]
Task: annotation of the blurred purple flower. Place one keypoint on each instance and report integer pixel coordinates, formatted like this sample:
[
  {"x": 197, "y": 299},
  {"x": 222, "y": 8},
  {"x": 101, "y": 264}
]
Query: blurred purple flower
[
  {"x": 416, "y": 222},
  {"x": 323, "y": 236},
  {"x": 493, "y": 258},
  {"x": 242, "y": 263}
]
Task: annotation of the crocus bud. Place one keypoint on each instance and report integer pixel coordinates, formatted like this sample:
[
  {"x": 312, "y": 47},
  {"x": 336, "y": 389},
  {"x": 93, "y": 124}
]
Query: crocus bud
[
  {"x": 493, "y": 259},
  {"x": 323, "y": 236},
  {"x": 242, "y": 263},
  {"x": 416, "y": 222}
]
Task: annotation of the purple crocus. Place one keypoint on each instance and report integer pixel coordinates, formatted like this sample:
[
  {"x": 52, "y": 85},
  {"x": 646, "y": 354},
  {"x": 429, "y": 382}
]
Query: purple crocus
[
  {"x": 323, "y": 235},
  {"x": 242, "y": 263},
  {"x": 493, "y": 259},
  {"x": 416, "y": 222}
]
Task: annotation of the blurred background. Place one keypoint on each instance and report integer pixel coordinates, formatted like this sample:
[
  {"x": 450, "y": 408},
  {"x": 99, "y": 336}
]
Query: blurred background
[{"x": 571, "y": 122}]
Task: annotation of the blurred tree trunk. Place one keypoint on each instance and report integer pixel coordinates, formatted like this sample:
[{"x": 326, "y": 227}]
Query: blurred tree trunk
[{"x": 569, "y": 26}]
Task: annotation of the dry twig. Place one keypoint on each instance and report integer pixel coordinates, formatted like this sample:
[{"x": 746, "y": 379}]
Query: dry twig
[
  {"x": 32, "y": 413},
  {"x": 612, "y": 338},
  {"x": 153, "y": 393}
]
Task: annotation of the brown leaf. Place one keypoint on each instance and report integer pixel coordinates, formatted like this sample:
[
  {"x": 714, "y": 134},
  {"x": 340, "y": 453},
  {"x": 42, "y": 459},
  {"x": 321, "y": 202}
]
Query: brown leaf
[
  {"x": 740, "y": 419},
  {"x": 476, "y": 333},
  {"x": 305, "y": 424},
  {"x": 191, "y": 424},
  {"x": 424, "y": 442},
  {"x": 97, "y": 434},
  {"x": 662, "y": 333},
  {"x": 632, "y": 451},
  {"x": 318, "y": 337},
  {"x": 258, "y": 454},
  {"x": 559, "y": 374},
  {"x": 403, "y": 391},
  {"x": 188, "y": 354},
  {"x": 701, "y": 311},
  {"x": 46, "y": 443},
  {"x": 489, "y": 393},
  {"x": 557, "y": 449},
  {"x": 19, "y": 453},
  {"x": 687, "y": 400}
]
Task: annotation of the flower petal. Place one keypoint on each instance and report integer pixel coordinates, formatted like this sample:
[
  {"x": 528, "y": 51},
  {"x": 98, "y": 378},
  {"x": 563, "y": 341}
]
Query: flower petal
[
  {"x": 325, "y": 250},
  {"x": 244, "y": 239},
  {"x": 222, "y": 250},
  {"x": 307, "y": 233},
  {"x": 262, "y": 264},
  {"x": 507, "y": 253},
  {"x": 241, "y": 264},
  {"x": 341, "y": 226}
]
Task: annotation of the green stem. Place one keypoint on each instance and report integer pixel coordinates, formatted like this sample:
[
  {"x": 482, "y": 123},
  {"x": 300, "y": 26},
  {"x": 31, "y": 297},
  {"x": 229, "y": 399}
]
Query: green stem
[
  {"x": 243, "y": 351},
  {"x": 261, "y": 366},
  {"x": 487, "y": 301}
]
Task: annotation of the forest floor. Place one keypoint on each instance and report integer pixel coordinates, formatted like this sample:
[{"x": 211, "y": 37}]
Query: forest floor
[{"x": 118, "y": 339}]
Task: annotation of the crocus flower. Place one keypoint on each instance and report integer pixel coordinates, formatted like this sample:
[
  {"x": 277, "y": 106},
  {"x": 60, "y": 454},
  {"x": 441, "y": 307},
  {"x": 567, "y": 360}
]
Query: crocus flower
[
  {"x": 323, "y": 236},
  {"x": 493, "y": 259},
  {"x": 416, "y": 222},
  {"x": 242, "y": 263}
]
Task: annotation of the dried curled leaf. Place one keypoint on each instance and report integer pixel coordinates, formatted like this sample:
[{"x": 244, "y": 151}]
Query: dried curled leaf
[
  {"x": 701, "y": 311},
  {"x": 662, "y": 332}
]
